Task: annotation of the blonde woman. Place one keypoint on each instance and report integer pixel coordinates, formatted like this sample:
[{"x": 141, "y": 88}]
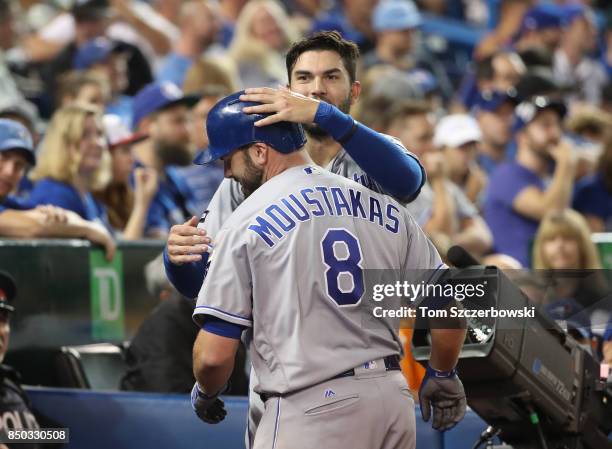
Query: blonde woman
[
  {"x": 563, "y": 242},
  {"x": 262, "y": 35},
  {"x": 570, "y": 263},
  {"x": 73, "y": 161}
]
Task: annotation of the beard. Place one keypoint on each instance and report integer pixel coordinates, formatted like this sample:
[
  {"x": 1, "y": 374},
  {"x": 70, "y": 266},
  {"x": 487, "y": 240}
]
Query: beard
[
  {"x": 171, "y": 153},
  {"x": 314, "y": 131},
  {"x": 253, "y": 176}
]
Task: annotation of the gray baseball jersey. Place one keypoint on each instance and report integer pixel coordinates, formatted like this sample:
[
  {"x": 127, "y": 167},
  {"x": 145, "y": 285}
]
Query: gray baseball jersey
[{"x": 289, "y": 263}]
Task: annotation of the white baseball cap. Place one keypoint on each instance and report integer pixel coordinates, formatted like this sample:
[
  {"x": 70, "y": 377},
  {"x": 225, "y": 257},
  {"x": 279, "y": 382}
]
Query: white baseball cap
[
  {"x": 117, "y": 133},
  {"x": 455, "y": 130}
]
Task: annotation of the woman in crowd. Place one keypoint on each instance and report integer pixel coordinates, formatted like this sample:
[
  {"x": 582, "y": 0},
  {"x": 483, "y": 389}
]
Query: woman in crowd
[
  {"x": 73, "y": 162},
  {"x": 126, "y": 207},
  {"x": 571, "y": 280},
  {"x": 262, "y": 35}
]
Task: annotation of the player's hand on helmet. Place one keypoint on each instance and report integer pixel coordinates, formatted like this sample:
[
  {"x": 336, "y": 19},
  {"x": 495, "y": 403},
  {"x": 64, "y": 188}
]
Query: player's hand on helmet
[
  {"x": 283, "y": 104},
  {"x": 442, "y": 393},
  {"x": 209, "y": 409},
  {"x": 187, "y": 243}
]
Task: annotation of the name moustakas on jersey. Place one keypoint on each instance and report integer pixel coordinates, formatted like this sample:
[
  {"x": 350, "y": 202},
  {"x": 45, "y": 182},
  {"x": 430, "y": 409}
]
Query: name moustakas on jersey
[{"x": 281, "y": 217}]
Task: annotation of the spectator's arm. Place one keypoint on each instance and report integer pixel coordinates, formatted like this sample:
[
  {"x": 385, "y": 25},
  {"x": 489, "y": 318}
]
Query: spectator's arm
[
  {"x": 145, "y": 187},
  {"x": 44, "y": 222},
  {"x": 442, "y": 210},
  {"x": 535, "y": 203},
  {"x": 475, "y": 236},
  {"x": 38, "y": 49},
  {"x": 158, "y": 40},
  {"x": 607, "y": 351}
]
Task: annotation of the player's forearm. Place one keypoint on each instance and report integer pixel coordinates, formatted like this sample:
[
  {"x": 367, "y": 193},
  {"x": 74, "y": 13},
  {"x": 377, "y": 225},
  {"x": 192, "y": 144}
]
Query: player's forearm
[
  {"x": 445, "y": 347},
  {"x": 186, "y": 278},
  {"x": 213, "y": 361},
  {"x": 398, "y": 173}
]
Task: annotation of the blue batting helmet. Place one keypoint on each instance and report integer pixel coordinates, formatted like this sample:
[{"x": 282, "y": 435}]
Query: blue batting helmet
[{"x": 229, "y": 128}]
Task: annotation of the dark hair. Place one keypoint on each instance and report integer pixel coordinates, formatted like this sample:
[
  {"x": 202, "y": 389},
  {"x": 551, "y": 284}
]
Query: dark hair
[{"x": 325, "y": 40}]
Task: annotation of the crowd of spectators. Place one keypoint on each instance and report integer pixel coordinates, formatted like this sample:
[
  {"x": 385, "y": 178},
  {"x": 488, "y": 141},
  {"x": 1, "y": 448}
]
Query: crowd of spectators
[{"x": 516, "y": 141}]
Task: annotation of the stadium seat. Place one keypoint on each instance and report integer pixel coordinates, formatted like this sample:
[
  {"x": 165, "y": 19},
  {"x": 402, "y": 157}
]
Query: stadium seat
[{"x": 96, "y": 366}]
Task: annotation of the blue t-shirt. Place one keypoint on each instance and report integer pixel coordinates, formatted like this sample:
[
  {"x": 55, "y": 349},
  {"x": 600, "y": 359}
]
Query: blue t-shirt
[
  {"x": 591, "y": 197},
  {"x": 10, "y": 202},
  {"x": 60, "y": 194},
  {"x": 174, "y": 68},
  {"x": 172, "y": 204},
  {"x": 512, "y": 232}
]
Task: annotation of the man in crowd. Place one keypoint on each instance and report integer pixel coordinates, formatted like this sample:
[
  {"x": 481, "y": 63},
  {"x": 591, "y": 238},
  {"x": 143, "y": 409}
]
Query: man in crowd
[
  {"x": 519, "y": 197},
  {"x": 161, "y": 112},
  {"x": 494, "y": 112},
  {"x": 441, "y": 208},
  {"x": 573, "y": 65}
]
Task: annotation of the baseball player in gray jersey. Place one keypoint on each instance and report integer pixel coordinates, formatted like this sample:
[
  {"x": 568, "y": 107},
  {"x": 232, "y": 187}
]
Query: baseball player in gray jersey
[
  {"x": 321, "y": 67},
  {"x": 280, "y": 267}
]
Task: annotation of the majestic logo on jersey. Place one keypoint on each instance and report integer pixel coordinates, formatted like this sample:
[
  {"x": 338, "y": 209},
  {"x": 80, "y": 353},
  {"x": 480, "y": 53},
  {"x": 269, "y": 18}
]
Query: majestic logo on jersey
[
  {"x": 329, "y": 393},
  {"x": 203, "y": 217},
  {"x": 370, "y": 365}
]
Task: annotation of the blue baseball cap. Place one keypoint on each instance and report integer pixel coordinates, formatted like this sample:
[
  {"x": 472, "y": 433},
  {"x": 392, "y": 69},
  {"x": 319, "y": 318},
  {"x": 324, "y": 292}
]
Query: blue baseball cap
[
  {"x": 527, "y": 110},
  {"x": 541, "y": 17},
  {"x": 15, "y": 136},
  {"x": 490, "y": 101},
  {"x": 93, "y": 52},
  {"x": 156, "y": 97},
  {"x": 574, "y": 11},
  {"x": 396, "y": 15},
  {"x": 424, "y": 80}
]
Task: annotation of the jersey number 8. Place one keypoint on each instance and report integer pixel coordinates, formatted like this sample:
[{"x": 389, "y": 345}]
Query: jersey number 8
[{"x": 342, "y": 255}]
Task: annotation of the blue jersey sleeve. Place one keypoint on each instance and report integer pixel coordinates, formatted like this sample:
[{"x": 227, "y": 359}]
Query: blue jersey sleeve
[
  {"x": 223, "y": 328},
  {"x": 399, "y": 173},
  {"x": 186, "y": 278}
]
